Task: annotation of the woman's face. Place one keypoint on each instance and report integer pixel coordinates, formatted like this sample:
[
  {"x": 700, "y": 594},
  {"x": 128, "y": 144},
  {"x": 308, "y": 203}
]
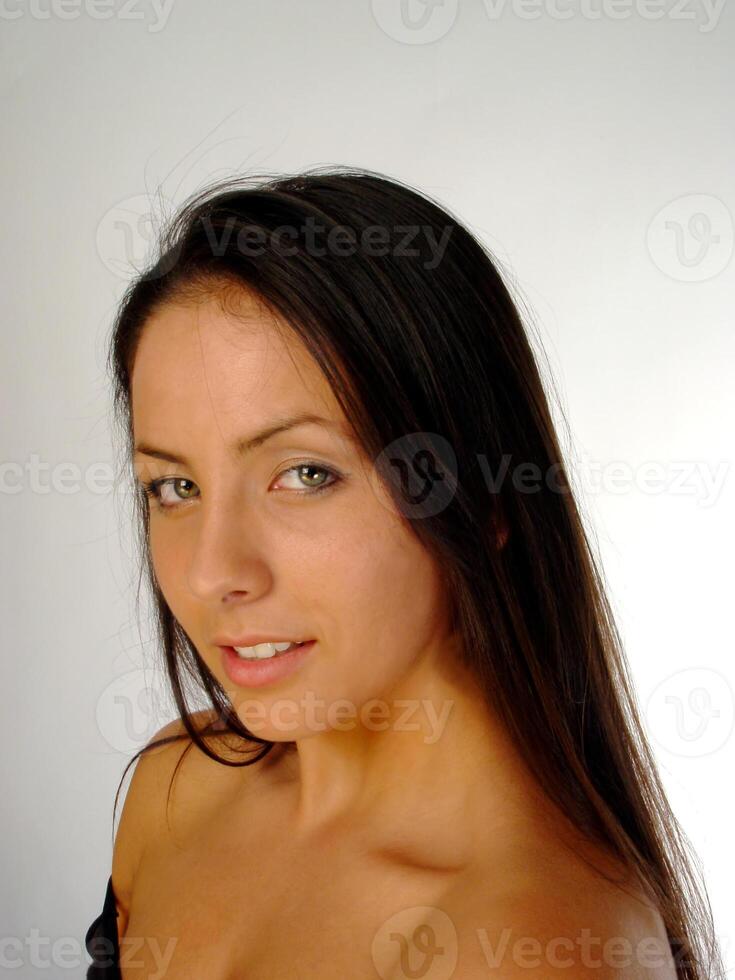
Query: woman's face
[{"x": 246, "y": 543}]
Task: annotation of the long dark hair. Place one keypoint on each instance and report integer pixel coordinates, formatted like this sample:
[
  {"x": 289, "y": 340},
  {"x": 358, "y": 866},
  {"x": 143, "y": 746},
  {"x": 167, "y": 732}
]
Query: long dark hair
[{"x": 425, "y": 350}]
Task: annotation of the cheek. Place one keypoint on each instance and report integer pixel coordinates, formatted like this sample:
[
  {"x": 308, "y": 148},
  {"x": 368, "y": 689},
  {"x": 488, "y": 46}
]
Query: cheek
[
  {"x": 408, "y": 591},
  {"x": 379, "y": 596},
  {"x": 169, "y": 557}
]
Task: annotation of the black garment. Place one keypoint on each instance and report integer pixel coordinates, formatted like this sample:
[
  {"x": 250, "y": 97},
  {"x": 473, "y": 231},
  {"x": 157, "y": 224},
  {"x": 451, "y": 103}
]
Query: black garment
[{"x": 102, "y": 941}]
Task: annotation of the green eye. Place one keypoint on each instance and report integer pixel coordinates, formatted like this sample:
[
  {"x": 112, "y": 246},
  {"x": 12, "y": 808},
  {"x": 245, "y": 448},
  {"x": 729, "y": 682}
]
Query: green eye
[
  {"x": 311, "y": 476},
  {"x": 153, "y": 490},
  {"x": 308, "y": 486}
]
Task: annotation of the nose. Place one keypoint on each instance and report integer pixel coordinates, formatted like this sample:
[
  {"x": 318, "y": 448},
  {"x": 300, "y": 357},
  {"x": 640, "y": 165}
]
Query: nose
[{"x": 228, "y": 561}]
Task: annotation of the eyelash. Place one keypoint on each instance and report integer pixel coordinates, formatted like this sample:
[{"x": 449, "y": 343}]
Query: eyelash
[{"x": 152, "y": 489}]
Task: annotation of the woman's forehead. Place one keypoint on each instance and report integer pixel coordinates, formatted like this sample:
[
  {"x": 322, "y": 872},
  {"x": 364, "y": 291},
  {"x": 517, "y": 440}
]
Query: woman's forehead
[{"x": 196, "y": 354}]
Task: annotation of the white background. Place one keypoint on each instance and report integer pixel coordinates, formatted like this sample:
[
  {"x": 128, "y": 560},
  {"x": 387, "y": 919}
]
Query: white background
[{"x": 589, "y": 145}]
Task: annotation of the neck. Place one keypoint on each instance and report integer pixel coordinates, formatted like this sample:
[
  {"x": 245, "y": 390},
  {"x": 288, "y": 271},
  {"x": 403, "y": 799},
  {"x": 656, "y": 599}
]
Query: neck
[{"x": 434, "y": 767}]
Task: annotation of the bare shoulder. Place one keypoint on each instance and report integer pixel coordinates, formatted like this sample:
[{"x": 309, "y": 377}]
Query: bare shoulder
[
  {"x": 537, "y": 925},
  {"x": 142, "y": 817}
]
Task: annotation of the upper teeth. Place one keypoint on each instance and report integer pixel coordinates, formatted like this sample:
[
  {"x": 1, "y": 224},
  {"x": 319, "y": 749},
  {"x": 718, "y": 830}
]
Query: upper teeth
[{"x": 262, "y": 651}]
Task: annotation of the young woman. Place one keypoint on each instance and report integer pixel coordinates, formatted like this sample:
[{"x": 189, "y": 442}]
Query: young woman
[{"x": 421, "y": 755}]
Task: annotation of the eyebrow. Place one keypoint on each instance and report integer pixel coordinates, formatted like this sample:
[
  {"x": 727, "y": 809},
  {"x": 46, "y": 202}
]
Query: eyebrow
[{"x": 247, "y": 444}]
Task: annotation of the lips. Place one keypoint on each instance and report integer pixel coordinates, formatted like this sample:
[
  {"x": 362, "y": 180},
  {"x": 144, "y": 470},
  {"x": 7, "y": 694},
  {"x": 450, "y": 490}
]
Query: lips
[
  {"x": 269, "y": 670},
  {"x": 253, "y": 639}
]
